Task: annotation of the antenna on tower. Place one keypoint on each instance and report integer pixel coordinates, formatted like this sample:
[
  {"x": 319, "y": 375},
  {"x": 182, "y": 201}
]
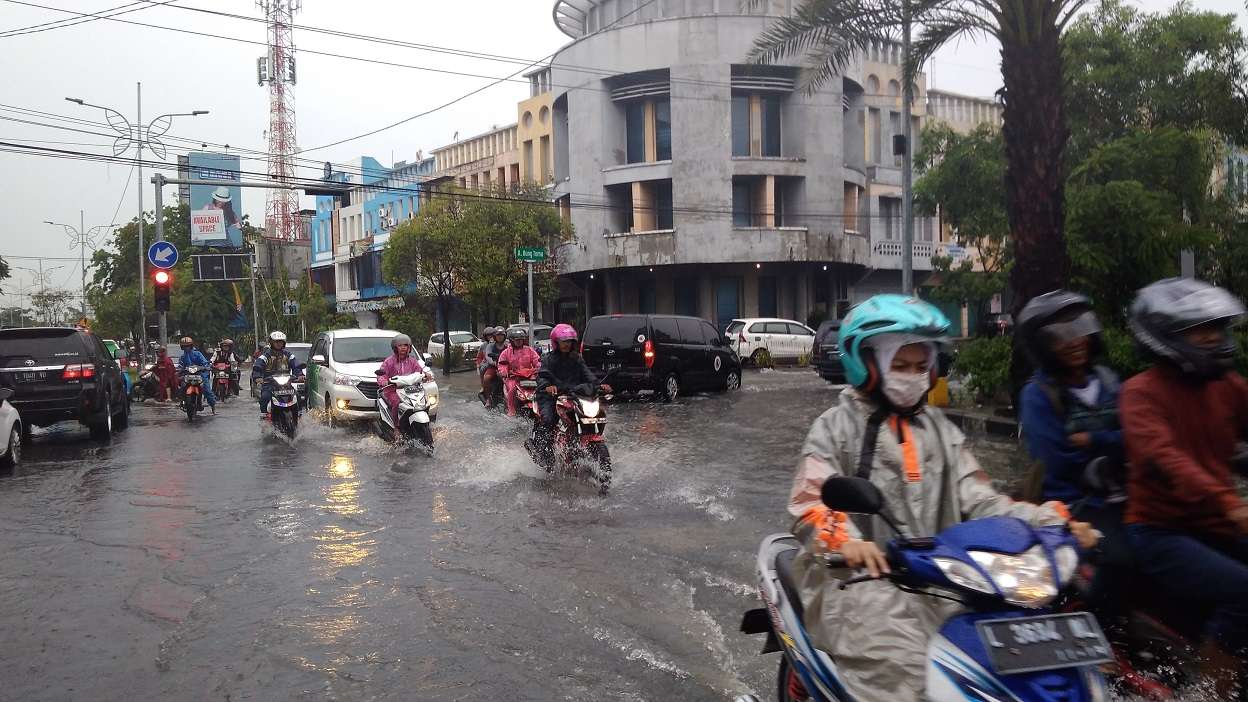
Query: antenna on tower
[{"x": 277, "y": 70}]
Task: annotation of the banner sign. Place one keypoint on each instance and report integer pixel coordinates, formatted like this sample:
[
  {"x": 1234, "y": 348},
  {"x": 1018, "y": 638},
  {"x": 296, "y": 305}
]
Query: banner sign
[
  {"x": 207, "y": 227},
  {"x": 389, "y": 303},
  {"x": 225, "y": 199}
]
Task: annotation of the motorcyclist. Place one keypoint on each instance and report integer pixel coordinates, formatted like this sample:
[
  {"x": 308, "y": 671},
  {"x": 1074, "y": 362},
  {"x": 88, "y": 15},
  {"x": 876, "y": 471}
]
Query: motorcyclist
[
  {"x": 401, "y": 362},
  {"x": 517, "y": 362},
  {"x": 1182, "y": 419},
  {"x": 166, "y": 374},
  {"x": 882, "y": 430},
  {"x": 274, "y": 359},
  {"x": 487, "y": 359},
  {"x": 192, "y": 356},
  {"x": 1069, "y": 412},
  {"x": 227, "y": 354},
  {"x": 562, "y": 372}
]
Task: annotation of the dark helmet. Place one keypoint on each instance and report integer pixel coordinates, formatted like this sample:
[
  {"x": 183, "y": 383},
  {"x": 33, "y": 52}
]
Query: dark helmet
[
  {"x": 517, "y": 333},
  {"x": 1053, "y": 318},
  {"x": 1164, "y": 310},
  {"x": 487, "y": 333}
]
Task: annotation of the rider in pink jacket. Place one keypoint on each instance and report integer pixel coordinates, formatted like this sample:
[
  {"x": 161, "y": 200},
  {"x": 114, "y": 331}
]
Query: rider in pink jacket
[
  {"x": 517, "y": 362},
  {"x": 401, "y": 362}
]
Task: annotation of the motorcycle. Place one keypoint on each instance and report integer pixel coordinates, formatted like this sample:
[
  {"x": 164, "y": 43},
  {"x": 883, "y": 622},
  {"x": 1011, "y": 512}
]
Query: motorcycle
[
  {"x": 283, "y": 403},
  {"x": 526, "y": 392},
  {"x": 492, "y": 397},
  {"x": 414, "y": 419},
  {"x": 192, "y": 391},
  {"x": 148, "y": 385},
  {"x": 221, "y": 380},
  {"x": 579, "y": 436},
  {"x": 1008, "y": 644}
]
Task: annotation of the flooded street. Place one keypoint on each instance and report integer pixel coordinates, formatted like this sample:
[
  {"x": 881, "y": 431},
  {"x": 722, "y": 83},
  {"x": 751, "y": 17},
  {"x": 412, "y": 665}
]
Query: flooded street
[{"x": 216, "y": 561}]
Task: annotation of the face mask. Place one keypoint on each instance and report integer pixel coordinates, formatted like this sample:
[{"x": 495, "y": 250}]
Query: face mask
[{"x": 905, "y": 390}]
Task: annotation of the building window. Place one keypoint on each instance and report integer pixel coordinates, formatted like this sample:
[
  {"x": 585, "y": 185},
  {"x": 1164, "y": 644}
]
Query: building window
[
  {"x": 663, "y": 203},
  {"x": 648, "y": 127},
  {"x": 756, "y": 125},
  {"x": 649, "y": 206},
  {"x": 635, "y": 116},
  {"x": 742, "y": 203},
  {"x": 890, "y": 216},
  {"x": 663, "y": 129}
]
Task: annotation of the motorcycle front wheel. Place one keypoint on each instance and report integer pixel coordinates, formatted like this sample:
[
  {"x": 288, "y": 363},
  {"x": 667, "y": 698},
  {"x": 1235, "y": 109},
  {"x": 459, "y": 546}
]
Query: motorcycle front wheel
[
  {"x": 600, "y": 458},
  {"x": 789, "y": 686},
  {"x": 191, "y": 407}
]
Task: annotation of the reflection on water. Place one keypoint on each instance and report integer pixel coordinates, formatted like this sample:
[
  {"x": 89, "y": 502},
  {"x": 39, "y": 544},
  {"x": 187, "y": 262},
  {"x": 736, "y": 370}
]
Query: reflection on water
[
  {"x": 441, "y": 515},
  {"x": 338, "y": 547}
]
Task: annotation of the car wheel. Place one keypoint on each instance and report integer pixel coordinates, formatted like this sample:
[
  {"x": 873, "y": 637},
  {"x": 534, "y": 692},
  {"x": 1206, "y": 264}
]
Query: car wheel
[
  {"x": 122, "y": 421},
  {"x": 101, "y": 431},
  {"x": 760, "y": 358},
  {"x": 671, "y": 387},
  {"x": 732, "y": 381},
  {"x": 13, "y": 456}
]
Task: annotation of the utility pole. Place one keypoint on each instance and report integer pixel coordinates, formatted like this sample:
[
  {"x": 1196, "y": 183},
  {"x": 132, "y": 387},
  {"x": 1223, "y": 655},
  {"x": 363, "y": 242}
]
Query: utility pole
[
  {"x": 907, "y": 162},
  {"x": 143, "y": 137}
]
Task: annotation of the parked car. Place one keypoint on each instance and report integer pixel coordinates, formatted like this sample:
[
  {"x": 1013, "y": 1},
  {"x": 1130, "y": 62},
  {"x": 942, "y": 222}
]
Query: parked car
[
  {"x": 466, "y": 341},
  {"x": 119, "y": 353},
  {"x": 825, "y": 355},
  {"x": 539, "y": 338},
  {"x": 659, "y": 353},
  {"x": 782, "y": 339},
  {"x": 59, "y": 374},
  {"x": 10, "y": 431},
  {"x": 342, "y": 370}
]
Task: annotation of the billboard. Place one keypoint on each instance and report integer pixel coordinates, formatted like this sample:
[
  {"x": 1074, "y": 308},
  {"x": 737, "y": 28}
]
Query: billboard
[{"x": 218, "y": 208}]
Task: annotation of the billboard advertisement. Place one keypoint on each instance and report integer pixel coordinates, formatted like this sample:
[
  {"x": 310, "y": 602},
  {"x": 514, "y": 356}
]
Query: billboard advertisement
[{"x": 216, "y": 210}]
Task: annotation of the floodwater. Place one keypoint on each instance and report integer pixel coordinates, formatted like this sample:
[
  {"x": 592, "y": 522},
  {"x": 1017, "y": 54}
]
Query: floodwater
[{"x": 218, "y": 561}]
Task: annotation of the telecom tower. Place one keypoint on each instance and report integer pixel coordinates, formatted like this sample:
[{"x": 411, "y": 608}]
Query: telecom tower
[{"x": 281, "y": 219}]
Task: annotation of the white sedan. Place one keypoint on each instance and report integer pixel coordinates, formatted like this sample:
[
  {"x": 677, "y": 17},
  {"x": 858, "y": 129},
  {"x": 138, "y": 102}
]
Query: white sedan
[{"x": 10, "y": 431}]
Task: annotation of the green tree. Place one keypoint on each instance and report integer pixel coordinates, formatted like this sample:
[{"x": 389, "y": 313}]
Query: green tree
[
  {"x": 833, "y": 34},
  {"x": 1129, "y": 70},
  {"x": 961, "y": 177},
  {"x": 4, "y": 268},
  {"x": 52, "y": 307}
]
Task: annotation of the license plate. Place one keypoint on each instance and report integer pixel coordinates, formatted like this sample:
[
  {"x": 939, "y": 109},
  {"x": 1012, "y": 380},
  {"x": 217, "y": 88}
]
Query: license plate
[
  {"x": 614, "y": 366},
  {"x": 30, "y": 376},
  {"x": 1030, "y": 644}
]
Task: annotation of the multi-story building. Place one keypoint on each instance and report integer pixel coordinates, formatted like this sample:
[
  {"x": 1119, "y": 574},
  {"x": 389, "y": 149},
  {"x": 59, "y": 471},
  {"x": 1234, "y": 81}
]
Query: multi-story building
[
  {"x": 1230, "y": 175},
  {"x": 350, "y": 233}
]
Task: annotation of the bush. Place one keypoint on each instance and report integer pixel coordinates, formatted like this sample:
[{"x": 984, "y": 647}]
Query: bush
[
  {"x": 761, "y": 358},
  {"x": 413, "y": 322},
  {"x": 1121, "y": 352},
  {"x": 984, "y": 365}
]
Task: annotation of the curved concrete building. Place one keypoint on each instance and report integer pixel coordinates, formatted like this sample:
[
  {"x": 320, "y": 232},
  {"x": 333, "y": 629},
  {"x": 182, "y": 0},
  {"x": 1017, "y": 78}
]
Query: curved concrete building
[{"x": 699, "y": 184}]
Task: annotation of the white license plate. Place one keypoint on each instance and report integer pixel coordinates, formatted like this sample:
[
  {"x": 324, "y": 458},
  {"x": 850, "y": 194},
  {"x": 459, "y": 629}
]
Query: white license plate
[
  {"x": 614, "y": 366},
  {"x": 1030, "y": 644}
]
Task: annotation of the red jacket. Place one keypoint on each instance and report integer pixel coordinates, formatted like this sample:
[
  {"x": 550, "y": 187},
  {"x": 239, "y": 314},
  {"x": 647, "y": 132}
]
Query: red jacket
[{"x": 1180, "y": 437}]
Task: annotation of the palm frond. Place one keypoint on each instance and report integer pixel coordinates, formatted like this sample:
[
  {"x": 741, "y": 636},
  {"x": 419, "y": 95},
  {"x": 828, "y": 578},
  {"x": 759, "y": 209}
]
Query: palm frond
[
  {"x": 940, "y": 28},
  {"x": 831, "y": 34}
]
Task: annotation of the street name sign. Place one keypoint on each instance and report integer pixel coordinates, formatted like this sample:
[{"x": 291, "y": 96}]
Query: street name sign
[{"x": 532, "y": 254}]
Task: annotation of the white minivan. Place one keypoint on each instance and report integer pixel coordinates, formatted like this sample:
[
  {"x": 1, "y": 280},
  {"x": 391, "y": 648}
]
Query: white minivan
[
  {"x": 783, "y": 339},
  {"x": 342, "y": 369}
]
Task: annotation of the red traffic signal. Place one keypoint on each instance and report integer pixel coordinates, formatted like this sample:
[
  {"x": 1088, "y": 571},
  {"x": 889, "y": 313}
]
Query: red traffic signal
[{"x": 160, "y": 284}]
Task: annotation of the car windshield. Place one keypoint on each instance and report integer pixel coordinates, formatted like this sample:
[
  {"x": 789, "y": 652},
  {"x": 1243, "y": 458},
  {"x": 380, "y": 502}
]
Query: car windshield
[
  {"x": 541, "y": 333},
  {"x": 299, "y": 351},
  {"x": 363, "y": 349}
]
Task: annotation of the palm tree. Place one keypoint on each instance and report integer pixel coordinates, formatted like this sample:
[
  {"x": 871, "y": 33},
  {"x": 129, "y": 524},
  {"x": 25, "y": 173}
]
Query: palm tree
[{"x": 833, "y": 34}]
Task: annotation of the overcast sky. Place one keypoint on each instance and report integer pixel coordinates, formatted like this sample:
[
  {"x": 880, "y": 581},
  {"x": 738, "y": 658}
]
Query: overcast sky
[{"x": 101, "y": 61}]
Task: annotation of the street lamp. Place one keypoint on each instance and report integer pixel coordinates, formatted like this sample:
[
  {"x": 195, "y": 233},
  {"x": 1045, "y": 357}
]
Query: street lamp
[
  {"x": 141, "y": 137},
  {"x": 81, "y": 238},
  {"x": 41, "y": 278}
]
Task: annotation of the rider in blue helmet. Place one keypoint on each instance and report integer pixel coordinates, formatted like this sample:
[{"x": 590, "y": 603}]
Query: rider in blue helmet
[{"x": 881, "y": 429}]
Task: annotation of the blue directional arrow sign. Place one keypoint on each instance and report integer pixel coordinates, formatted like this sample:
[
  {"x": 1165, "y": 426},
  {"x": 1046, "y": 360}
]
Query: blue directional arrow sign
[{"x": 162, "y": 254}]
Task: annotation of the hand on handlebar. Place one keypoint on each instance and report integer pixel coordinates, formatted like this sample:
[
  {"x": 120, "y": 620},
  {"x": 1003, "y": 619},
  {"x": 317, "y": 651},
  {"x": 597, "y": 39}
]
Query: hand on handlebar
[
  {"x": 552, "y": 390},
  {"x": 605, "y": 388},
  {"x": 865, "y": 554},
  {"x": 1083, "y": 532}
]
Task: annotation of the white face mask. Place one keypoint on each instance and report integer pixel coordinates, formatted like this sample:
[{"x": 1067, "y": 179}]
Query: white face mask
[{"x": 905, "y": 390}]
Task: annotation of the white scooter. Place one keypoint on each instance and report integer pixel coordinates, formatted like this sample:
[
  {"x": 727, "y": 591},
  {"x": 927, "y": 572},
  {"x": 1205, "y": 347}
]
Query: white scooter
[{"x": 418, "y": 407}]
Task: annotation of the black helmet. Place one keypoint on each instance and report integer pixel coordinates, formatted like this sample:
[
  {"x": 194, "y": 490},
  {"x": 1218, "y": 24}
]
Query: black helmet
[
  {"x": 1164, "y": 310},
  {"x": 487, "y": 333},
  {"x": 517, "y": 333},
  {"x": 1055, "y": 317},
  {"x": 400, "y": 339}
]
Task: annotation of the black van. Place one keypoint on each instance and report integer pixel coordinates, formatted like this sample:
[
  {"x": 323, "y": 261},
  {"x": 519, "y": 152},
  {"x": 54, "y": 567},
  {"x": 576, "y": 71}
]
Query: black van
[{"x": 661, "y": 353}]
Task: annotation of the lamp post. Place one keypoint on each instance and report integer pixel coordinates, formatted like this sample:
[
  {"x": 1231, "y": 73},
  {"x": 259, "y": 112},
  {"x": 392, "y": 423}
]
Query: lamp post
[
  {"x": 140, "y": 137},
  {"x": 41, "y": 279},
  {"x": 81, "y": 238}
]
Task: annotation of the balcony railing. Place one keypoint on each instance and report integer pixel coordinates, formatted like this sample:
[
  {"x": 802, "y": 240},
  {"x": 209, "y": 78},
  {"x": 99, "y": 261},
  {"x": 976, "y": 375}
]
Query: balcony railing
[{"x": 886, "y": 253}]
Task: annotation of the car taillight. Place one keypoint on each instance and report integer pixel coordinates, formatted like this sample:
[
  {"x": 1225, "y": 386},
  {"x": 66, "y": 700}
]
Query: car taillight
[
  {"x": 78, "y": 371},
  {"x": 648, "y": 353}
]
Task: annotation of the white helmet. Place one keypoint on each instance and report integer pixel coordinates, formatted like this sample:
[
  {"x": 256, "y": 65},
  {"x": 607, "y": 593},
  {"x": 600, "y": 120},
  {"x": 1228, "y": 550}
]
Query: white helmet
[{"x": 277, "y": 336}]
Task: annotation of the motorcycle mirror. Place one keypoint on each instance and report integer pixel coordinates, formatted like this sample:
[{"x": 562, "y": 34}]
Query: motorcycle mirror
[
  {"x": 1103, "y": 477},
  {"x": 318, "y": 359},
  {"x": 855, "y": 495}
]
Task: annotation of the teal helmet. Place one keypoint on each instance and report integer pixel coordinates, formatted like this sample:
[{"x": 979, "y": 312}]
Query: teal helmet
[{"x": 885, "y": 314}]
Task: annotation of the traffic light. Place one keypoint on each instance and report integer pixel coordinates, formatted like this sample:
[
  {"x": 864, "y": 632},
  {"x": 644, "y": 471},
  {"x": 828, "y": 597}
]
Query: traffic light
[{"x": 161, "y": 281}]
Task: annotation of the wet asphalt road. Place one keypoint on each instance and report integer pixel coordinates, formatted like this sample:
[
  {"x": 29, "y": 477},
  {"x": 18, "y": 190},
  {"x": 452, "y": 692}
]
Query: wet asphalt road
[{"x": 216, "y": 561}]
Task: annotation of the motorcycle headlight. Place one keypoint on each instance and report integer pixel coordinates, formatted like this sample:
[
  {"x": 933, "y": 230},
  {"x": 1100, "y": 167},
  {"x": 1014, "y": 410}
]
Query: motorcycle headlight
[
  {"x": 340, "y": 379},
  {"x": 964, "y": 575},
  {"x": 1067, "y": 561},
  {"x": 1025, "y": 579}
]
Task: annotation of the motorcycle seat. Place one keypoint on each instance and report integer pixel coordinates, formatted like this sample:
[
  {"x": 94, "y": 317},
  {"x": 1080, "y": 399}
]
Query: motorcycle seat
[{"x": 784, "y": 571}]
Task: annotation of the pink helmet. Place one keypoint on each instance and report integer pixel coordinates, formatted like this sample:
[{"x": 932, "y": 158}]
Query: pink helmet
[{"x": 562, "y": 332}]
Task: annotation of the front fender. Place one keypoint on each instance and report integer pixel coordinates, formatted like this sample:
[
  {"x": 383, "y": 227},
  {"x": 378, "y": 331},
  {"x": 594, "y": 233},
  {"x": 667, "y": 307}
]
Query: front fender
[{"x": 418, "y": 418}]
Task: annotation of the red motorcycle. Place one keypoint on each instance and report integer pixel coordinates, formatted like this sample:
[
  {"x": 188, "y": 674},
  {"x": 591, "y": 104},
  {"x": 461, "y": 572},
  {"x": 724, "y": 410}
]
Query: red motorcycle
[
  {"x": 579, "y": 436},
  {"x": 526, "y": 392},
  {"x": 222, "y": 380}
]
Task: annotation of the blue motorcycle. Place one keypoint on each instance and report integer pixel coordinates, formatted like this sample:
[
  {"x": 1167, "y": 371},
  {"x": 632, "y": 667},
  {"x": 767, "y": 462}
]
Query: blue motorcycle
[{"x": 1008, "y": 645}]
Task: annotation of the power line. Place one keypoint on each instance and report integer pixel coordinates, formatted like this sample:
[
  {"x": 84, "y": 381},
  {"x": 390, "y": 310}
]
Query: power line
[{"x": 68, "y": 22}]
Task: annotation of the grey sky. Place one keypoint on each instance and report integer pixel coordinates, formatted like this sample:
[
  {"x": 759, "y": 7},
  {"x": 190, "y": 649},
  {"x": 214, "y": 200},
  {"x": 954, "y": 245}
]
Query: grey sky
[{"x": 101, "y": 61}]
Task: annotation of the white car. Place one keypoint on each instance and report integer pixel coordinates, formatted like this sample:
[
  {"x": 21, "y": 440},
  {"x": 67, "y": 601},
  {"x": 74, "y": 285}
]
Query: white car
[
  {"x": 464, "y": 340},
  {"x": 10, "y": 431},
  {"x": 783, "y": 339},
  {"x": 539, "y": 338},
  {"x": 342, "y": 371}
]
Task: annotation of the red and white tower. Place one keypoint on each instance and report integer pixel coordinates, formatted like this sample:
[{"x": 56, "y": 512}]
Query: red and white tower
[{"x": 281, "y": 219}]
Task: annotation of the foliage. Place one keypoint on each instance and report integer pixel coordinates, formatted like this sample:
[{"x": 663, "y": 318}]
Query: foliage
[
  {"x": 1129, "y": 70},
  {"x": 761, "y": 358},
  {"x": 1128, "y": 205},
  {"x": 803, "y": 360},
  {"x": 1122, "y": 353},
  {"x": 817, "y": 316},
  {"x": 4, "y": 268},
  {"x": 984, "y": 364},
  {"x": 412, "y": 320}
]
